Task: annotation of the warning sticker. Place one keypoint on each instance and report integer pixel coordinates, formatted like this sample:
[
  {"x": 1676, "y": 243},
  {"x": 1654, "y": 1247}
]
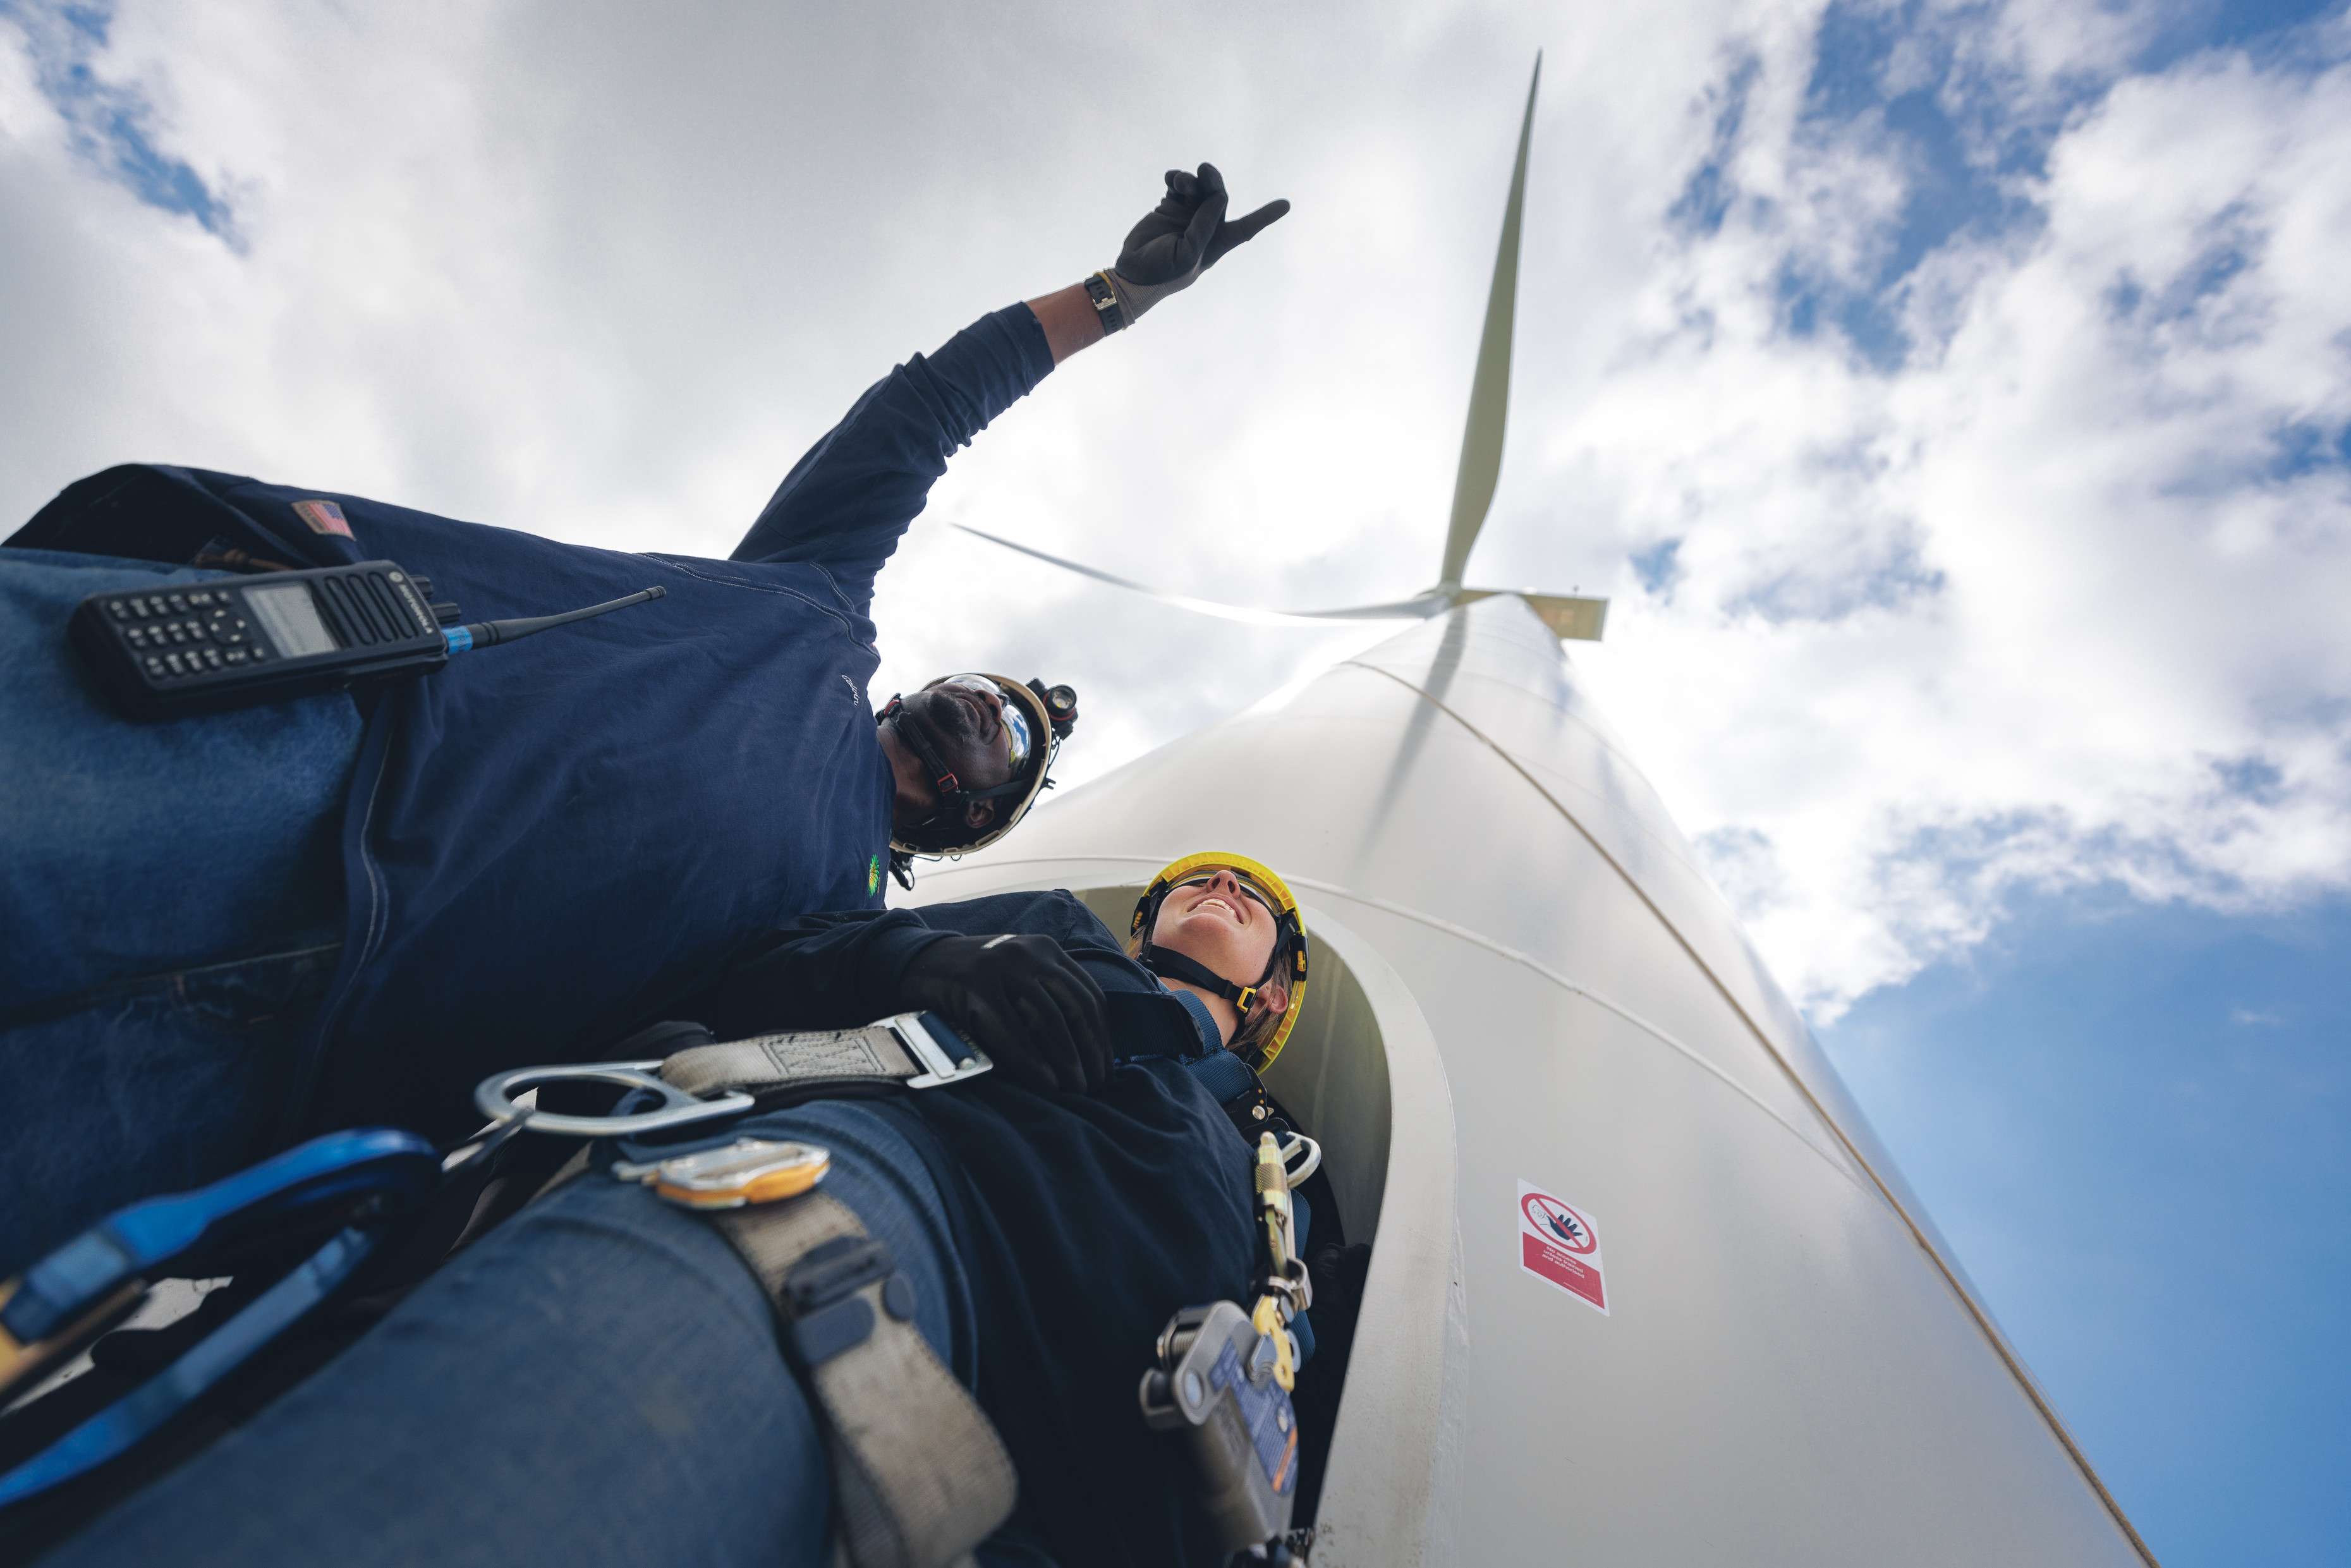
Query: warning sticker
[{"x": 1560, "y": 1245}]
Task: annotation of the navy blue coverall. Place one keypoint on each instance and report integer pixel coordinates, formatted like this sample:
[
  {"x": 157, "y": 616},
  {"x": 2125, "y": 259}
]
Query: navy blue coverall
[{"x": 538, "y": 844}]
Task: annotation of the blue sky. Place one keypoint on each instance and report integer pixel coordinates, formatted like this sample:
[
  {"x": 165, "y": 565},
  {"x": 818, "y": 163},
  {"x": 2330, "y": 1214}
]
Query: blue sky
[
  {"x": 2133, "y": 1120},
  {"x": 1952, "y": 397},
  {"x": 2130, "y": 1123},
  {"x": 112, "y": 122}
]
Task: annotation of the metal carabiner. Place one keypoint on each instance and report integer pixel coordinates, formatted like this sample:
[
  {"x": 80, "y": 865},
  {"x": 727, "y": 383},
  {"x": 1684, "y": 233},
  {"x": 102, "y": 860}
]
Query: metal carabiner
[{"x": 495, "y": 1098}]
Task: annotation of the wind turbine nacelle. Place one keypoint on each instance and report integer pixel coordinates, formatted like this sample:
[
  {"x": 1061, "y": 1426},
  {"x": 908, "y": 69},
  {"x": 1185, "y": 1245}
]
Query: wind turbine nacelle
[{"x": 1570, "y": 619}]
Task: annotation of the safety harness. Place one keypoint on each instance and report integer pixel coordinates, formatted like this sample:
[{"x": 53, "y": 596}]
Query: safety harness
[
  {"x": 921, "y": 1477},
  {"x": 919, "y": 1474}
]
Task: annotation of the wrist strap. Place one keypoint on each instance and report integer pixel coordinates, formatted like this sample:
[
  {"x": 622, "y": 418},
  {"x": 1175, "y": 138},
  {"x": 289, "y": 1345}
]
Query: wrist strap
[{"x": 1105, "y": 303}]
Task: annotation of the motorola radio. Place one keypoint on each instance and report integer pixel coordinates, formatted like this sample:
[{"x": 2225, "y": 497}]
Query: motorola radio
[{"x": 198, "y": 647}]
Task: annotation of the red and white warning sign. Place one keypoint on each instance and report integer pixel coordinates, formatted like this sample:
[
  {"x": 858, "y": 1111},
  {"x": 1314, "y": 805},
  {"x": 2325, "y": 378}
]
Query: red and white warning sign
[{"x": 1559, "y": 1243}]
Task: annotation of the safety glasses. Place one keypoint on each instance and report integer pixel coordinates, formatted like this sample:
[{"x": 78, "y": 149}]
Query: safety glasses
[
  {"x": 1016, "y": 717},
  {"x": 1248, "y": 889}
]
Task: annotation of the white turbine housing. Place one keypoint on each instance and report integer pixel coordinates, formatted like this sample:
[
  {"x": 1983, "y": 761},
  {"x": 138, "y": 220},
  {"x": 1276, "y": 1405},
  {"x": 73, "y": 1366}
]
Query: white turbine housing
[{"x": 1522, "y": 979}]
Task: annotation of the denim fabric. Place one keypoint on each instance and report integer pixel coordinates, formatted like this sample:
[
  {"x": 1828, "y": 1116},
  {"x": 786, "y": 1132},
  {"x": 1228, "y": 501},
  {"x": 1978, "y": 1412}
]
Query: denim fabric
[
  {"x": 171, "y": 894},
  {"x": 597, "y": 1382},
  {"x": 127, "y": 848},
  {"x": 160, "y": 1086}
]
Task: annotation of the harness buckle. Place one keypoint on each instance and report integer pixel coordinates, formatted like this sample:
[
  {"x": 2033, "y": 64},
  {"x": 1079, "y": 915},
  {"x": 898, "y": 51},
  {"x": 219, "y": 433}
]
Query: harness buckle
[
  {"x": 823, "y": 1295},
  {"x": 945, "y": 1056}
]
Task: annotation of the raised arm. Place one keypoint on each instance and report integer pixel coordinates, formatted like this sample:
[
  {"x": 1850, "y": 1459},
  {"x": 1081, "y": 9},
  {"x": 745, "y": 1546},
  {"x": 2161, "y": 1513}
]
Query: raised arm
[{"x": 845, "y": 503}]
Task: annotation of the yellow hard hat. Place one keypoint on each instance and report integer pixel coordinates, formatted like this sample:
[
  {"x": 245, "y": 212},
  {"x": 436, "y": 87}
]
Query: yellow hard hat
[{"x": 1288, "y": 934}]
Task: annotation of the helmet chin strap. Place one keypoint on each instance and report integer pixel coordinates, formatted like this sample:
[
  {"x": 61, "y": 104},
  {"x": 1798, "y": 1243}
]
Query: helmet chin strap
[{"x": 1169, "y": 965}]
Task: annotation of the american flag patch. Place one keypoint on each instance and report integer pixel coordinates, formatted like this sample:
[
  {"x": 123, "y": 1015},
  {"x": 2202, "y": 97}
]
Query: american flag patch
[{"x": 324, "y": 518}]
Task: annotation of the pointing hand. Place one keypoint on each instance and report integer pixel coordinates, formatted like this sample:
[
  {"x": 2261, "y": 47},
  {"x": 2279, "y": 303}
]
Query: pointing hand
[{"x": 1187, "y": 233}]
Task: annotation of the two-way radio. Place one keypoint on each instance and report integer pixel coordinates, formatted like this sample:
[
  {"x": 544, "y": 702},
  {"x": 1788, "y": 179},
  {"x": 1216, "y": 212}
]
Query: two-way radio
[{"x": 198, "y": 647}]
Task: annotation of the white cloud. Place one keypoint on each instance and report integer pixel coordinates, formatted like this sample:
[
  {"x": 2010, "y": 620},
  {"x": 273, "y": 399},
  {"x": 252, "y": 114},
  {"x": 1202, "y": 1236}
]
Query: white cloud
[
  {"x": 2096, "y": 633},
  {"x": 2028, "y": 608}
]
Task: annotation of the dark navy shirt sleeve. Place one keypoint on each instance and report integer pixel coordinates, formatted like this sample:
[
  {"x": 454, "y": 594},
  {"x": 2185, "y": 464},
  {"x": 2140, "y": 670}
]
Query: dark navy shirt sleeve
[
  {"x": 842, "y": 969},
  {"x": 845, "y": 504},
  {"x": 819, "y": 971}
]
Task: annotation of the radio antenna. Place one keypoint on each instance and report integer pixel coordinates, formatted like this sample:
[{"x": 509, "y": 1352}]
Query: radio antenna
[{"x": 490, "y": 634}]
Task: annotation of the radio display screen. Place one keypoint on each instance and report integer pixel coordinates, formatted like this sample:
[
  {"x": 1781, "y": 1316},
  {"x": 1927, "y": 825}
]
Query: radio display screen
[{"x": 287, "y": 615}]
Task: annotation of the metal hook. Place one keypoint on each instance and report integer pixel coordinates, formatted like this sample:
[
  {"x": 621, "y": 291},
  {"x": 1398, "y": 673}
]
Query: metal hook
[
  {"x": 1300, "y": 1169},
  {"x": 495, "y": 1098}
]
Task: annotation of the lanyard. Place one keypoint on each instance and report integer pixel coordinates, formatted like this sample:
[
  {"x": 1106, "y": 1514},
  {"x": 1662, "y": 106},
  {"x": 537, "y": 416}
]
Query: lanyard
[{"x": 349, "y": 1185}]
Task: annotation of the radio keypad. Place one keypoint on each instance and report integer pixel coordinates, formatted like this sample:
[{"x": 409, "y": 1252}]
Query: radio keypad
[{"x": 181, "y": 636}]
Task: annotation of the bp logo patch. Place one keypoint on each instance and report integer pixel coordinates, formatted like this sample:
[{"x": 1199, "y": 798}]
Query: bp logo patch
[{"x": 874, "y": 876}]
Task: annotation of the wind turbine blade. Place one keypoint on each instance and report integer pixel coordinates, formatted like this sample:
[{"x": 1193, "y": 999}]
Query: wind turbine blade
[
  {"x": 1415, "y": 609},
  {"x": 1489, "y": 387}
]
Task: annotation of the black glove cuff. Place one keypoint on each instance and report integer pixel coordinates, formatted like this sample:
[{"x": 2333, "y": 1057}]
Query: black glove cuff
[{"x": 1106, "y": 305}]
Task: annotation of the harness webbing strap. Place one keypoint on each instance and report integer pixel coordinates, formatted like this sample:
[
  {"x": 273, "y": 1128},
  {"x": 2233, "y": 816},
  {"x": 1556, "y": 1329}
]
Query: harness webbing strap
[
  {"x": 917, "y": 1050},
  {"x": 920, "y": 1476},
  {"x": 1224, "y": 1075},
  {"x": 780, "y": 1060}
]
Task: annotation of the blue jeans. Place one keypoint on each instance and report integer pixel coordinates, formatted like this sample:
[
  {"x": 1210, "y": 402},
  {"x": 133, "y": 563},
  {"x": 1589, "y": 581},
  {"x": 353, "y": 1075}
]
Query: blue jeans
[
  {"x": 597, "y": 1382},
  {"x": 171, "y": 898}
]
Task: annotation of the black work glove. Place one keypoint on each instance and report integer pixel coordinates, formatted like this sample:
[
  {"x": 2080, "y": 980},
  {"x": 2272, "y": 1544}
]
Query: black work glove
[
  {"x": 1182, "y": 236},
  {"x": 1021, "y": 999}
]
